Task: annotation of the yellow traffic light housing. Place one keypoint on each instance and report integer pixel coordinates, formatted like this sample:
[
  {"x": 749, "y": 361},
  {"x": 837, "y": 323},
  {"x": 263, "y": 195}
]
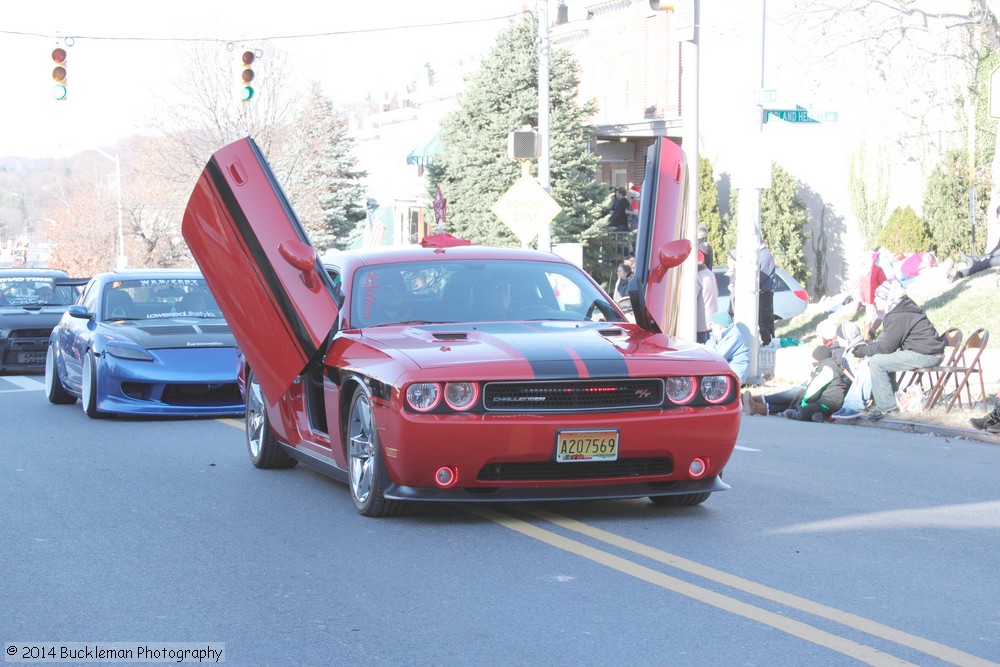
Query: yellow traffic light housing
[
  {"x": 246, "y": 75},
  {"x": 59, "y": 72}
]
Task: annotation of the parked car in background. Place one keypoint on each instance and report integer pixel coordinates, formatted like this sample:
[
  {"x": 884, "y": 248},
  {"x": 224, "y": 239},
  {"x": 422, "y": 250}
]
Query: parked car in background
[
  {"x": 451, "y": 372},
  {"x": 790, "y": 299},
  {"x": 145, "y": 342},
  {"x": 31, "y": 303}
]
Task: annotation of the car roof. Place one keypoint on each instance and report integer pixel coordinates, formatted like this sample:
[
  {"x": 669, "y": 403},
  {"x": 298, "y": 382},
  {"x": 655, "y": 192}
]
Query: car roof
[
  {"x": 38, "y": 273},
  {"x": 416, "y": 253},
  {"x": 149, "y": 274}
]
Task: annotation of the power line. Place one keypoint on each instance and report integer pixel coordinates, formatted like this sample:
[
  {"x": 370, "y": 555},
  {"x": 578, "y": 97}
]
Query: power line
[{"x": 336, "y": 33}]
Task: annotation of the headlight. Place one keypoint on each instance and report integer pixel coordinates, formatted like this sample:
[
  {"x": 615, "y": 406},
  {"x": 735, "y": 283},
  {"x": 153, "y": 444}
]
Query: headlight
[
  {"x": 423, "y": 396},
  {"x": 461, "y": 395},
  {"x": 681, "y": 389},
  {"x": 125, "y": 352},
  {"x": 715, "y": 388}
]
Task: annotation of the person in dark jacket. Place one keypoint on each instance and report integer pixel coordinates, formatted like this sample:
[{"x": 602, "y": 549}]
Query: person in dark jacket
[
  {"x": 908, "y": 341},
  {"x": 768, "y": 283},
  {"x": 619, "y": 211},
  {"x": 821, "y": 395}
]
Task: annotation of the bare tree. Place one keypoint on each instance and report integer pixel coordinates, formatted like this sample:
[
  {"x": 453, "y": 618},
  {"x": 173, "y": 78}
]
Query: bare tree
[{"x": 203, "y": 113}]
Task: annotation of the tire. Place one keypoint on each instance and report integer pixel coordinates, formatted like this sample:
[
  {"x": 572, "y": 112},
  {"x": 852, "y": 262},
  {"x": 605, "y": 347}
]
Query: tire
[
  {"x": 263, "y": 447},
  {"x": 684, "y": 500},
  {"x": 54, "y": 389},
  {"x": 88, "y": 387},
  {"x": 366, "y": 468}
]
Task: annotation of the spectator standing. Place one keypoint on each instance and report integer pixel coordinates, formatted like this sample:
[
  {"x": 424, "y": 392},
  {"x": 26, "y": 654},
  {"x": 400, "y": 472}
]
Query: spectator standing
[
  {"x": 619, "y": 211},
  {"x": 727, "y": 340},
  {"x": 870, "y": 281},
  {"x": 908, "y": 341},
  {"x": 768, "y": 283},
  {"x": 708, "y": 298},
  {"x": 705, "y": 246},
  {"x": 621, "y": 284}
]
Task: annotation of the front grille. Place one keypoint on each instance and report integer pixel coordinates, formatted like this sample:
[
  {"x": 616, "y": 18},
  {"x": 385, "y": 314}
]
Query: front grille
[
  {"x": 207, "y": 395},
  {"x": 31, "y": 333},
  {"x": 550, "y": 470},
  {"x": 572, "y": 395}
]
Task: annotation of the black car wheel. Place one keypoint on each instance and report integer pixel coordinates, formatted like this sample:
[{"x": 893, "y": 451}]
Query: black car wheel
[
  {"x": 54, "y": 389},
  {"x": 684, "y": 500},
  {"x": 263, "y": 447},
  {"x": 364, "y": 459}
]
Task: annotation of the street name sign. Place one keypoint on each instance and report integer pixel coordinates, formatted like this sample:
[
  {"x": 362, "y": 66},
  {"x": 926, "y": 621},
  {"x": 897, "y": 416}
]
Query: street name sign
[{"x": 801, "y": 115}]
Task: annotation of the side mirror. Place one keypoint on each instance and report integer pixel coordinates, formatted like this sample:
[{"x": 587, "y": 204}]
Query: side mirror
[
  {"x": 302, "y": 256},
  {"x": 80, "y": 312},
  {"x": 668, "y": 256}
]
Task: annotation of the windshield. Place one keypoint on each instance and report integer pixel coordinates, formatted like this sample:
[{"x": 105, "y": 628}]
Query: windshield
[
  {"x": 475, "y": 291},
  {"x": 160, "y": 298},
  {"x": 34, "y": 291}
]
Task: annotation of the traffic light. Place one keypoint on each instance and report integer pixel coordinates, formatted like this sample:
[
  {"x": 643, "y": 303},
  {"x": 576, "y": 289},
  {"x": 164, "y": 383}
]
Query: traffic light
[
  {"x": 662, "y": 6},
  {"x": 246, "y": 75},
  {"x": 59, "y": 72}
]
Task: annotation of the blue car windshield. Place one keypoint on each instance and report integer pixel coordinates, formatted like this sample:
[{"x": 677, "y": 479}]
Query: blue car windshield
[
  {"x": 475, "y": 291},
  {"x": 159, "y": 298}
]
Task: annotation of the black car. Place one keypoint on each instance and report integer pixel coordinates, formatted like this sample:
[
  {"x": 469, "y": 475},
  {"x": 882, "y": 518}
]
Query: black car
[{"x": 31, "y": 303}]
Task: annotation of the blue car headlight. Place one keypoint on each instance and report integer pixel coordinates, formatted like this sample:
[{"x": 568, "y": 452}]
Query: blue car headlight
[{"x": 127, "y": 352}]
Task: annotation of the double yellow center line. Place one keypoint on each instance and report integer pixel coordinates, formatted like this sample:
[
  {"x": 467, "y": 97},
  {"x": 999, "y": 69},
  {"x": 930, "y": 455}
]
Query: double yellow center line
[{"x": 858, "y": 651}]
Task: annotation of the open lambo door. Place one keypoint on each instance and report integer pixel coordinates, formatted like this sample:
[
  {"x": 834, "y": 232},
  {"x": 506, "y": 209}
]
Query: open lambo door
[
  {"x": 257, "y": 260},
  {"x": 660, "y": 243}
]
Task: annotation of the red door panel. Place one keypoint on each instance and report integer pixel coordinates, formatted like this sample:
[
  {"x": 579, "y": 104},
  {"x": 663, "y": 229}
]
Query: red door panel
[
  {"x": 257, "y": 261},
  {"x": 660, "y": 243}
]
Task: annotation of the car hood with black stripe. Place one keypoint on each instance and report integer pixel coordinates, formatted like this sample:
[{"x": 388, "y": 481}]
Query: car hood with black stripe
[
  {"x": 547, "y": 349},
  {"x": 175, "y": 333}
]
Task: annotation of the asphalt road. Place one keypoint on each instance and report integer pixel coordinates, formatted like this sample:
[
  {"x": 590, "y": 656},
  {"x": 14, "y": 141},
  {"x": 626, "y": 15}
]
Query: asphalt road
[{"x": 835, "y": 546}]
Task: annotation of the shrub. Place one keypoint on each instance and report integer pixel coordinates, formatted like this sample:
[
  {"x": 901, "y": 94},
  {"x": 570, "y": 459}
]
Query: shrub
[{"x": 905, "y": 231}]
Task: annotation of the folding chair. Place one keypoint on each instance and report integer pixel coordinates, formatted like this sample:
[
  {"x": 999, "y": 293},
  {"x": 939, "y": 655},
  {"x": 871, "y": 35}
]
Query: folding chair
[
  {"x": 931, "y": 376},
  {"x": 968, "y": 364}
]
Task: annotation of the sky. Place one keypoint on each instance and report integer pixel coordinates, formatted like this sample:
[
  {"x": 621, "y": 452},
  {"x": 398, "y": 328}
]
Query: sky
[{"x": 124, "y": 55}]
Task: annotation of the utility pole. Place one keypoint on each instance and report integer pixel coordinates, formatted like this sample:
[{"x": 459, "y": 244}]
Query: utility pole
[
  {"x": 122, "y": 259},
  {"x": 754, "y": 177},
  {"x": 545, "y": 234}
]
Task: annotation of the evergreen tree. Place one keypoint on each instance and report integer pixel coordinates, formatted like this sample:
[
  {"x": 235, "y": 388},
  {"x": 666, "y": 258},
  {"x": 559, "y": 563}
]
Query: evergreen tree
[
  {"x": 474, "y": 170},
  {"x": 708, "y": 209},
  {"x": 946, "y": 206},
  {"x": 318, "y": 173},
  {"x": 782, "y": 219}
]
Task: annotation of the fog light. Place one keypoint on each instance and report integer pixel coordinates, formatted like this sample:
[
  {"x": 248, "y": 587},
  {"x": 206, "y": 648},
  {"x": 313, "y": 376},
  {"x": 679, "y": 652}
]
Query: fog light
[
  {"x": 446, "y": 477},
  {"x": 698, "y": 468}
]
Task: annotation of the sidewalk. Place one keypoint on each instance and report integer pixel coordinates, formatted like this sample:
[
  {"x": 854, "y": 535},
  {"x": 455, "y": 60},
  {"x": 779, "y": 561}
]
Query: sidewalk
[{"x": 792, "y": 364}]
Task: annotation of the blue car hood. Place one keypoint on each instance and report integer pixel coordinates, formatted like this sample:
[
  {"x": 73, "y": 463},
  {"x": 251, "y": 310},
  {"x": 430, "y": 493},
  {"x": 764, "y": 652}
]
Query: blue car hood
[{"x": 176, "y": 333}]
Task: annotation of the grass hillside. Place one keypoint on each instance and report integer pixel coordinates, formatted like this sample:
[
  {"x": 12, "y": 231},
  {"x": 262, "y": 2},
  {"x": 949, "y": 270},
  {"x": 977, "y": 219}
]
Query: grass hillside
[{"x": 968, "y": 304}]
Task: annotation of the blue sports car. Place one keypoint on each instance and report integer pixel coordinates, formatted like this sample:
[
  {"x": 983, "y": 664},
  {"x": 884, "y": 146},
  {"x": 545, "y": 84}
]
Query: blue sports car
[{"x": 145, "y": 342}]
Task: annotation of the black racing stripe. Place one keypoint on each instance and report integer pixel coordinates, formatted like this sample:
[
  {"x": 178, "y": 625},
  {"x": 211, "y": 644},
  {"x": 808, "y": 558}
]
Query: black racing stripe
[
  {"x": 260, "y": 258},
  {"x": 552, "y": 355}
]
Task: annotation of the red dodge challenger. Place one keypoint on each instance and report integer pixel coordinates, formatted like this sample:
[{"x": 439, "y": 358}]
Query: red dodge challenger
[{"x": 451, "y": 372}]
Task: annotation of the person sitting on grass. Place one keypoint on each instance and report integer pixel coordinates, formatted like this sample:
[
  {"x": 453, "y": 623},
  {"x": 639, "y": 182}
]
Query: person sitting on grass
[
  {"x": 990, "y": 422},
  {"x": 727, "y": 339},
  {"x": 816, "y": 400}
]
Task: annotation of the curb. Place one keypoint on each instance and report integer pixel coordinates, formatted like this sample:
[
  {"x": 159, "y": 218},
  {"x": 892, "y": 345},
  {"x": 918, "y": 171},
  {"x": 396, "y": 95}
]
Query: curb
[{"x": 929, "y": 429}]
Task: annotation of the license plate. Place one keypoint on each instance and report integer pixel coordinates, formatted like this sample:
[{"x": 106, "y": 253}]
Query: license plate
[
  {"x": 573, "y": 446},
  {"x": 31, "y": 357}
]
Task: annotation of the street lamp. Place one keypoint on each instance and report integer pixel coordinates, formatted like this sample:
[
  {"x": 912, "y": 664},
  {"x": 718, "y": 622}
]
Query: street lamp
[{"x": 122, "y": 259}]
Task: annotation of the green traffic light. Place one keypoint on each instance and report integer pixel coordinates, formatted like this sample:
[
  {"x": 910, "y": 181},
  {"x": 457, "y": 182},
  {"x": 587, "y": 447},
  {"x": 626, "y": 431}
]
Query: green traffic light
[
  {"x": 59, "y": 91},
  {"x": 246, "y": 93}
]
